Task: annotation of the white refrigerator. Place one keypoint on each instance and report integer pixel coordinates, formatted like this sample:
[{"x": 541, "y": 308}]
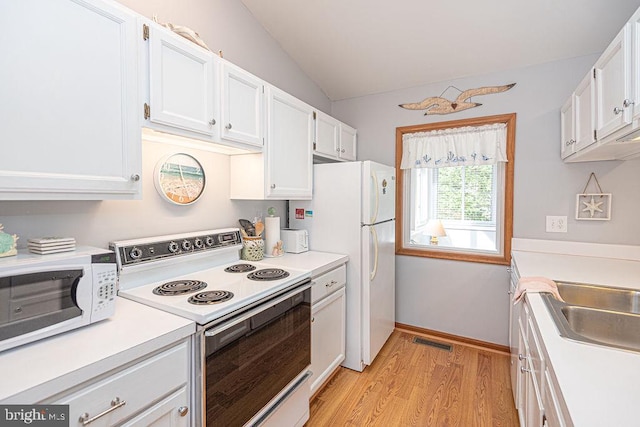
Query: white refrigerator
[{"x": 353, "y": 212}]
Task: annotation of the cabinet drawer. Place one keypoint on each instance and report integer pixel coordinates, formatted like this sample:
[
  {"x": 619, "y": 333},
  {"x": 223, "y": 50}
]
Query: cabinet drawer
[
  {"x": 550, "y": 403},
  {"x": 138, "y": 386},
  {"x": 328, "y": 283}
]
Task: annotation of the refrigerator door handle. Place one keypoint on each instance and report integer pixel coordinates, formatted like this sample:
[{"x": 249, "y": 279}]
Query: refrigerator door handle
[
  {"x": 373, "y": 273},
  {"x": 374, "y": 214}
]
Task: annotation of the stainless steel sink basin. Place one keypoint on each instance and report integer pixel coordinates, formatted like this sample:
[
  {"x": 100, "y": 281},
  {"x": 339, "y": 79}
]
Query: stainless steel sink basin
[
  {"x": 604, "y": 297},
  {"x": 598, "y": 315}
]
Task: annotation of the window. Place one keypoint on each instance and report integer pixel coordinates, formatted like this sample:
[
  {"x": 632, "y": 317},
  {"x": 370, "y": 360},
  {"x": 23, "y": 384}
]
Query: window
[{"x": 455, "y": 189}]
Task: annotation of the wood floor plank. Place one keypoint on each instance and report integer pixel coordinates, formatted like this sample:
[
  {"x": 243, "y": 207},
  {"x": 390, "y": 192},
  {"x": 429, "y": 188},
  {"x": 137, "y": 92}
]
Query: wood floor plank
[{"x": 411, "y": 384}]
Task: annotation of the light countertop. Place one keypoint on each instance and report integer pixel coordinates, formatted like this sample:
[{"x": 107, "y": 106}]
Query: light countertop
[
  {"x": 317, "y": 262},
  {"x": 599, "y": 384},
  {"x": 38, "y": 370}
]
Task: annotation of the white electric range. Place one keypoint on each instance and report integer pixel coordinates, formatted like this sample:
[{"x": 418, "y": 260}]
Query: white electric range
[{"x": 241, "y": 308}]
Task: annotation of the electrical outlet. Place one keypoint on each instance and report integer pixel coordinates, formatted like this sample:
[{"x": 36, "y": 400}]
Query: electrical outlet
[{"x": 556, "y": 224}]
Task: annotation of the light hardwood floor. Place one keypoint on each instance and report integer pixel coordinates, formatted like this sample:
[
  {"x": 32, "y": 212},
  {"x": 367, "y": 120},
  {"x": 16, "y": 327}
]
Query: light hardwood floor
[{"x": 410, "y": 384}]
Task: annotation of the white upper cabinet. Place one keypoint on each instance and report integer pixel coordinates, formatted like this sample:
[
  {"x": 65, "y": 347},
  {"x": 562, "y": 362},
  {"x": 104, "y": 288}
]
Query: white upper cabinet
[
  {"x": 348, "y": 142},
  {"x": 289, "y": 141},
  {"x": 605, "y": 105},
  {"x": 242, "y": 111},
  {"x": 613, "y": 85},
  {"x": 68, "y": 116},
  {"x": 567, "y": 128},
  {"x": 634, "y": 22},
  {"x": 327, "y": 135},
  {"x": 283, "y": 171},
  {"x": 183, "y": 83},
  {"x": 583, "y": 106},
  {"x": 333, "y": 140}
]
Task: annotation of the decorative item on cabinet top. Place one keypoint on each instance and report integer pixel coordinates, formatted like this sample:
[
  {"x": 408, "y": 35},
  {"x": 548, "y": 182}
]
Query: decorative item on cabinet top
[
  {"x": 179, "y": 178},
  {"x": 440, "y": 105},
  {"x": 593, "y": 206},
  {"x": 185, "y": 32}
]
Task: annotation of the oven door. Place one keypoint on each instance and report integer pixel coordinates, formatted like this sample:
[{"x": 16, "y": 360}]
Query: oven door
[{"x": 253, "y": 357}]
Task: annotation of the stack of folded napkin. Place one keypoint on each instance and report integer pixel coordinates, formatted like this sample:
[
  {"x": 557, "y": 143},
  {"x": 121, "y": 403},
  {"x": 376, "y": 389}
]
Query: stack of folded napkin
[{"x": 535, "y": 284}]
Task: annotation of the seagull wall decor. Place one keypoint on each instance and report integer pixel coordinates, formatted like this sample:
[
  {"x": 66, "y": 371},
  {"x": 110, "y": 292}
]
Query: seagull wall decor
[{"x": 440, "y": 105}]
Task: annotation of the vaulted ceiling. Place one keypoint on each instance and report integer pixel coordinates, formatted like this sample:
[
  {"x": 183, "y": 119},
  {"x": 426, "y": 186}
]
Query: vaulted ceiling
[{"x": 353, "y": 48}]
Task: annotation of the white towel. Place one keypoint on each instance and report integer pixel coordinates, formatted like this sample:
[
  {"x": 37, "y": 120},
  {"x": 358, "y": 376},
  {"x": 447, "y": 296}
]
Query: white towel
[{"x": 535, "y": 284}]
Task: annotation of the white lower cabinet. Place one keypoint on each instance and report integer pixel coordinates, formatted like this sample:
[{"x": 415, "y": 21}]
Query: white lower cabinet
[
  {"x": 154, "y": 391},
  {"x": 328, "y": 325},
  {"x": 537, "y": 396}
]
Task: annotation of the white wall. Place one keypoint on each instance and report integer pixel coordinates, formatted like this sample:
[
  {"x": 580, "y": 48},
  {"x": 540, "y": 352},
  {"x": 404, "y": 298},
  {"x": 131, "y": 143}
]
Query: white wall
[
  {"x": 470, "y": 299},
  {"x": 224, "y": 25}
]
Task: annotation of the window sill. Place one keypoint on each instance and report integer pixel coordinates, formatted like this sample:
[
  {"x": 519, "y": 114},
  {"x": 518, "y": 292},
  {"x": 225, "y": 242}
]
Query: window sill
[{"x": 499, "y": 259}]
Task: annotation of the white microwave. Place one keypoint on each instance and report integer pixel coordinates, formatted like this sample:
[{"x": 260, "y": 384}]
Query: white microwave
[{"x": 44, "y": 295}]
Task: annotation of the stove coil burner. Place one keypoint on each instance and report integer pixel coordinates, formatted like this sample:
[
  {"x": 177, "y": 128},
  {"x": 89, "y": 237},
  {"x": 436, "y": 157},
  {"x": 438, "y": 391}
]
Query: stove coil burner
[
  {"x": 268, "y": 274},
  {"x": 179, "y": 287},
  {"x": 210, "y": 297},
  {"x": 240, "y": 268}
]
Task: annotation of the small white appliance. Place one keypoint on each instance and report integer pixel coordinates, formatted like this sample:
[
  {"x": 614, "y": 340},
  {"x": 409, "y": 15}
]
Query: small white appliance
[
  {"x": 44, "y": 295},
  {"x": 353, "y": 212},
  {"x": 295, "y": 241}
]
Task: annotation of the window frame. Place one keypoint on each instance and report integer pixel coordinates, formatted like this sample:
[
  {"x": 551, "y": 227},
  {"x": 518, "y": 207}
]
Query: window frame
[{"x": 506, "y": 222}]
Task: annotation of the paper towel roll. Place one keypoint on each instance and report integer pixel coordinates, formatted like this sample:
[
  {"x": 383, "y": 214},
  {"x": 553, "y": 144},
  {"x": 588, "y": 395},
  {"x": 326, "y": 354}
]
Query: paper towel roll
[{"x": 272, "y": 243}]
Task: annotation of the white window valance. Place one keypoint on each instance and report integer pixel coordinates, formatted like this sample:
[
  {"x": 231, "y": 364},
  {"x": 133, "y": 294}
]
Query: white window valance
[{"x": 462, "y": 146}]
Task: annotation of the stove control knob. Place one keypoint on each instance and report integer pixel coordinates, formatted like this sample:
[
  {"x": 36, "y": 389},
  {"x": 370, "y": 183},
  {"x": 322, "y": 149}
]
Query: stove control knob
[
  {"x": 198, "y": 243},
  {"x": 173, "y": 247},
  {"x": 209, "y": 241},
  {"x": 135, "y": 253},
  {"x": 186, "y": 245}
]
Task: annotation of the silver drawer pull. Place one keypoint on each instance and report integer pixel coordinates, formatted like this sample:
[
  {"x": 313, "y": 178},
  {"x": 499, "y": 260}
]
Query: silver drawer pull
[
  {"x": 330, "y": 284},
  {"x": 115, "y": 404}
]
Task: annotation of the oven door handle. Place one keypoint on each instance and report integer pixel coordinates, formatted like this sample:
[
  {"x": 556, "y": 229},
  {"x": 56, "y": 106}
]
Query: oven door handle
[{"x": 262, "y": 307}]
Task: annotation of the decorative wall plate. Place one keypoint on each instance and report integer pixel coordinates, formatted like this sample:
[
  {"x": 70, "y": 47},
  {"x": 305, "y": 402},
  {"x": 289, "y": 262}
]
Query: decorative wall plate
[
  {"x": 593, "y": 206},
  {"x": 179, "y": 178}
]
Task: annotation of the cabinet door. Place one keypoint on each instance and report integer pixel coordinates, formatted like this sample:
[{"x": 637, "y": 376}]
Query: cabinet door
[
  {"x": 289, "y": 147},
  {"x": 172, "y": 411},
  {"x": 182, "y": 83},
  {"x": 567, "y": 138},
  {"x": 348, "y": 142},
  {"x": 613, "y": 85},
  {"x": 584, "y": 113},
  {"x": 635, "y": 67},
  {"x": 327, "y": 337},
  {"x": 68, "y": 116},
  {"x": 327, "y": 135},
  {"x": 242, "y": 106}
]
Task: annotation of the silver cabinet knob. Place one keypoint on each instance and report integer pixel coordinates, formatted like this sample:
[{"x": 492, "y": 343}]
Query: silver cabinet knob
[
  {"x": 273, "y": 186},
  {"x": 617, "y": 110},
  {"x": 337, "y": 150},
  {"x": 342, "y": 151},
  {"x": 212, "y": 122},
  {"x": 228, "y": 126},
  {"x": 627, "y": 102},
  {"x": 521, "y": 357},
  {"x": 524, "y": 370},
  {"x": 183, "y": 411},
  {"x": 135, "y": 177}
]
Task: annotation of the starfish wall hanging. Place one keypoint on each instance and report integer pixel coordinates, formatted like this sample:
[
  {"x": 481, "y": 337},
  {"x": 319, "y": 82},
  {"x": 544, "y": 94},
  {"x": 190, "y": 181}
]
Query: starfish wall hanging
[
  {"x": 594, "y": 206},
  {"x": 440, "y": 105}
]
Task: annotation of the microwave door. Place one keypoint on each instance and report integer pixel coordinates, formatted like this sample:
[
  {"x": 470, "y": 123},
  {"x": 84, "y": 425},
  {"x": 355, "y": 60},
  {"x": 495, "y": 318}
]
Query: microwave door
[{"x": 33, "y": 301}]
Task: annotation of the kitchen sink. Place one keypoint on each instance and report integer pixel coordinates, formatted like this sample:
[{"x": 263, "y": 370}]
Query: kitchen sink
[
  {"x": 599, "y": 315},
  {"x": 603, "y": 297}
]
